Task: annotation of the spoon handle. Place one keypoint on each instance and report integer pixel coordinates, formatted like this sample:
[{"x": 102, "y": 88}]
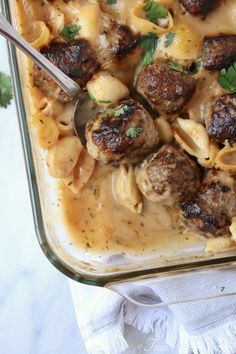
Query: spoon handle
[{"x": 68, "y": 85}]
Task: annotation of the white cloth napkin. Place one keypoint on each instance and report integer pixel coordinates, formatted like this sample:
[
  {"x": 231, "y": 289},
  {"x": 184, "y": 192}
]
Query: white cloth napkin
[{"x": 202, "y": 327}]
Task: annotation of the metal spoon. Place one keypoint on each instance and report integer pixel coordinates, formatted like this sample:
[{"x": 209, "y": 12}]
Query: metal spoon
[{"x": 83, "y": 103}]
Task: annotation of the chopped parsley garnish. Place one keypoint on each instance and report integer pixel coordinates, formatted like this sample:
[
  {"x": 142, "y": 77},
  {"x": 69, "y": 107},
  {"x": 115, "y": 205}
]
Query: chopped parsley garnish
[
  {"x": 148, "y": 44},
  {"x": 227, "y": 78},
  {"x": 97, "y": 101},
  {"x": 155, "y": 11},
  {"x": 194, "y": 68},
  {"x": 133, "y": 132},
  {"x": 70, "y": 32},
  {"x": 178, "y": 67},
  {"x": 169, "y": 39},
  {"x": 116, "y": 112},
  {"x": 5, "y": 90},
  {"x": 111, "y": 2}
]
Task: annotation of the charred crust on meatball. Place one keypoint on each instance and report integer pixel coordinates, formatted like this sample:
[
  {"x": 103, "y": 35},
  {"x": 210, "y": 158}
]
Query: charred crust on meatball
[
  {"x": 75, "y": 58},
  {"x": 213, "y": 206},
  {"x": 221, "y": 125},
  {"x": 218, "y": 51},
  {"x": 166, "y": 90},
  {"x": 199, "y": 8}
]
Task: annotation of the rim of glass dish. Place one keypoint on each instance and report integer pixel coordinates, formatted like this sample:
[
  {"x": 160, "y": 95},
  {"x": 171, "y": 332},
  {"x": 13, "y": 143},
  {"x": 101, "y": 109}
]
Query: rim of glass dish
[{"x": 99, "y": 280}]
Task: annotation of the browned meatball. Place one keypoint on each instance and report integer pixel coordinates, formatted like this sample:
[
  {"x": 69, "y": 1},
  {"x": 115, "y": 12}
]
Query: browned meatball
[
  {"x": 122, "y": 40},
  {"x": 124, "y": 133},
  {"x": 75, "y": 58},
  {"x": 221, "y": 125},
  {"x": 219, "y": 51},
  {"x": 168, "y": 176},
  {"x": 199, "y": 7},
  {"x": 167, "y": 90},
  {"x": 213, "y": 206}
]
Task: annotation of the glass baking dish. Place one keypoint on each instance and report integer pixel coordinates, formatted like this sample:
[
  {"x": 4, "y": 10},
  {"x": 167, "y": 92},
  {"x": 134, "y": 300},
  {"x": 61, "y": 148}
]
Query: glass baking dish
[{"x": 113, "y": 269}]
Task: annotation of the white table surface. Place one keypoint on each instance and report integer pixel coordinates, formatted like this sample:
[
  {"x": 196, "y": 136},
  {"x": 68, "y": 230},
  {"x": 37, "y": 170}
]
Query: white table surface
[{"x": 36, "y": 309}]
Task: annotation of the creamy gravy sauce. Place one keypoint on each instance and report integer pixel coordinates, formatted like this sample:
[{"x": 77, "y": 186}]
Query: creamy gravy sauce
[
  {"x": 93, "y": 218},
  {"x": 97, "y": 222}
]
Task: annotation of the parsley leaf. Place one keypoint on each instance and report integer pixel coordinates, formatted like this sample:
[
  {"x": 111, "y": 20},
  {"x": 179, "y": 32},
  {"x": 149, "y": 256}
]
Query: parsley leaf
[
  {"x": 169, "y": 39},
  {"x": 194, "y": 68},
  {"x": 111, "y": 2},
  {"x": 5, "y": 90},
  {"x": 227, "y": 78},
  {"x": 133, "y": 132},
  {"x": 69, "y": 32},
  {"x": 148, "y": 44},
  {"x": 97, "y": 101},
  {"x": 117, "y": 112},
  {"x": 178, "y": 67},
  {"x": 155, "y": 11}
]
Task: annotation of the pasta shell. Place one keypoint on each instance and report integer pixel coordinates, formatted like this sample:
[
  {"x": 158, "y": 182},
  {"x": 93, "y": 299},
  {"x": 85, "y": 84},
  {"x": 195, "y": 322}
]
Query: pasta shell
[
  {"x": 41, "y": 35},
  {"x": 47, "y": 131},
  {"x": 192, "y": 137},
  {"x": 55, "y": 19},
  {"x": 210, "y": 161},
  {"x": 89, "y": 20},
  {"x": 186, "y": 43},
  {"x": 164, "y": 130},
  {"x": 106, "y": 90},
  {"x": 233, "y": 228},
  {"x": 140, "y": 24},
  {"x": 219, "y": 244},
  {"x": 82, "y": 172},
  {"x": 226, "y": 159},
  {"x": 63, "y": 156},
  {"x": 125, "y": 189}
]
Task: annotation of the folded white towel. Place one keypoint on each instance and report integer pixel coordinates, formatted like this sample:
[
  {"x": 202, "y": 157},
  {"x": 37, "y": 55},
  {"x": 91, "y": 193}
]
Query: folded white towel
[{"x": 205, "y": 326}]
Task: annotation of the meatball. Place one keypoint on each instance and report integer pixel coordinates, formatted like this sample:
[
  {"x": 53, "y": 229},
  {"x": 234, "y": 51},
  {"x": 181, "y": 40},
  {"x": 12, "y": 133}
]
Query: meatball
[
  {"x": 168, "y": 176},
  {"x": 199, "y": 7},
  {"x": 75, "y": 58},
  {"x": 117, "y": 40},
  {"x": 167, "y": 90},
  {"x": 219, "y": 51},
  {"x": 122, "y": 40},
  {"x": 212, "y": 208},
  {"x": 124, "y": 133},
  {"x": 221, "y": 125}
]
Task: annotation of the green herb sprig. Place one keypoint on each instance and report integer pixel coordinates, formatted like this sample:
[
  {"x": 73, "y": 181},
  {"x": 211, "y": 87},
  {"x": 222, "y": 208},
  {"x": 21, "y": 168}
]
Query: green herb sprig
[
  {"x": 227, "y": 78},
  {"x": 5, "y": 90},
  {"x": 169, "y": 39},
  {"x": 133, "y": 132},
  {"x": 155, "y": 11},
  {"x": 70, "y": 32},
  {"x": 149, "y": 44},
  {"x": 113, "y": 112},
  {"x": 178, "y": 67}
]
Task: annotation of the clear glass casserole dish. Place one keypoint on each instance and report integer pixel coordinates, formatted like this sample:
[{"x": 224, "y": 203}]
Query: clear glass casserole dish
[{"x": 111, "y": 269}]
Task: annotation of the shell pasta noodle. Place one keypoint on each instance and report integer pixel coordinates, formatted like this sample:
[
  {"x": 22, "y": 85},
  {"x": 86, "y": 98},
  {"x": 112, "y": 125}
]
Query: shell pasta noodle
[
  {"x": 139, "y": 22},
  {"x": 151, "y": 167},
  {"x": 42, "y": 35},
  {"x": 226, "y": 159},
  {"x": 186, "y": 43},
  {"x": 106, "y": 89},
  {"x": 125, "y": 189},
  {"x": 89, "y": 21},
  {"x": 47, "y": 130}
]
